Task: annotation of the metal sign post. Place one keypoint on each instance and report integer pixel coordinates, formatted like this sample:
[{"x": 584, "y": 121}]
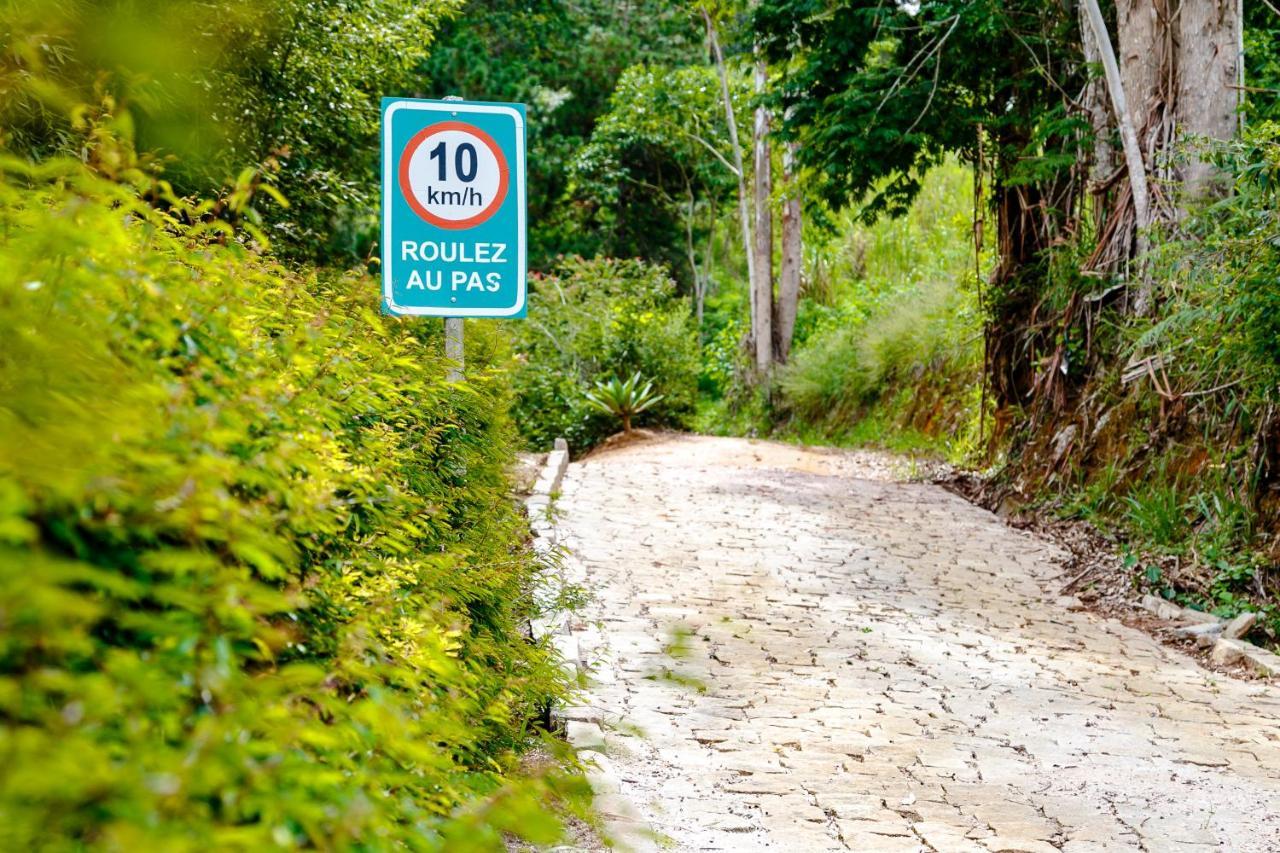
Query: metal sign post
[
  {"x": 453, "y": 213},
  {"x": 454, "y": 348}
]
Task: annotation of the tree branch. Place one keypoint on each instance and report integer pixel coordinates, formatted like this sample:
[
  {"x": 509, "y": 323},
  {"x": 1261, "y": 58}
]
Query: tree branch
[
  {"x": 1132, "y": 152},
  {"x": 705, "y": 144}
]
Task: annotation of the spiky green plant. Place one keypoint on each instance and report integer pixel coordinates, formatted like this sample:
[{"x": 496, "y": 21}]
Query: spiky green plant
[{"x": 623, "y": 398}]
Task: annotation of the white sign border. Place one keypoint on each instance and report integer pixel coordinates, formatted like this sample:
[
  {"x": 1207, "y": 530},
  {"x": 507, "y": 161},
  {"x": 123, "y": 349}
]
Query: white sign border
[{"x": 388, "y": 241}]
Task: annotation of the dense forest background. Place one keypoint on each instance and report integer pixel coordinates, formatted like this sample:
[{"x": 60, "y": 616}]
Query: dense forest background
[{"x": 244, "y": 517}]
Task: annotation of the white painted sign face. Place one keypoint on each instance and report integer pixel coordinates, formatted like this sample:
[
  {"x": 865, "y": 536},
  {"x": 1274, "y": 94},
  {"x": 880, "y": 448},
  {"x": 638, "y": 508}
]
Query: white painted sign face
[{"x": 454, "y": 175}]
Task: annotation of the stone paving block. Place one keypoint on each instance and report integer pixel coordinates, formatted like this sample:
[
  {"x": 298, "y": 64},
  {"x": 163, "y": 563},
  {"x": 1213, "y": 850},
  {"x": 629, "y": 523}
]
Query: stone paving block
[
  {"x": 871, "y": 665},
  {"x": 1016, "y": 844},
  {"x": 856, "y": 837}
]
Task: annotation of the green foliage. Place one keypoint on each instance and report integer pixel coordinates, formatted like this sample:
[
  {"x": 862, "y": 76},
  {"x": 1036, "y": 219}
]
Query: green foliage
[
  {"x": 1155, "y": 512},
  {"x": 290, "y": 87},
  {"x": 1262, "y": 61},
  {"x": 597, "y": 319},
  {"x": 931, "y": 242},
  {"x": 657, "y": 174},
  {"x": 563, "y": 60},
  {"x": 138, "y": 61},
  {"x": 880, "y": 92},
  {"x": 1222, "y": 274},
  {"x": 1193, "y": 482},
  {"x": 722, "y": 358},
  {"x": 1099, "y": 491},
  {"x": 311, "y": 75},
  {"x": 1217, "y": 331},
  {"x": 1204, "y": 520},
  {"x": 1216, "y": 334},
  {"x": 623, "y": 398},
  {"x": 845, "y": 368},
  {"x": 261, "y": 581}
]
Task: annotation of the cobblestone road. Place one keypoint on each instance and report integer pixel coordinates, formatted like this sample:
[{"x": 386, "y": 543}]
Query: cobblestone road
[{"x": 793, "y": 651}]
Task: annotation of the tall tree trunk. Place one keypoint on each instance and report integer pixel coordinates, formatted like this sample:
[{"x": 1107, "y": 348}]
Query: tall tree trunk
[
  {"x": 1178, "y": 61},
  {"x": 1134, "y": 162},
  {"x": 792, "y": 255},
  {"x": 1142, "y": 48},
  {"x": 1149, "y": 70},
  {"x": 1013, "y": 296},
  {"x": 762, "y": 285},
  {"x": 744, "y": 211},
  {"x": 1209, "y": 65},
  {"x": 1143, "y": 54}
]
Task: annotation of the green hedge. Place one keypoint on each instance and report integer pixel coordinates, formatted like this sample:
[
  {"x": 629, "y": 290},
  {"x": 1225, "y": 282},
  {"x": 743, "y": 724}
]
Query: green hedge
[
  {"x": 593, "y": 320},
  {"x": 261, "y": 583}
]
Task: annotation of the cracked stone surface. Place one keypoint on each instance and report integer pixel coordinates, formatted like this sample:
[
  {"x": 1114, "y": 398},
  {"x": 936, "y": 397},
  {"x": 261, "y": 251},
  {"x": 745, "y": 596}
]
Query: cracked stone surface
[{"x": 793, "y": 650}]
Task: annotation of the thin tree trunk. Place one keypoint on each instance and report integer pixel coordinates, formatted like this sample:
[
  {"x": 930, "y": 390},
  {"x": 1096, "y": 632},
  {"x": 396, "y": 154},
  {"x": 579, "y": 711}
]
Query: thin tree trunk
[
  {"x": 744, "y": 211},
  {"x": 699, "y": 285},
  {"x": 708, "y": 258},
  {"x": 792, "y": 255},
  {"x": 762, "y": 285},
  {"x": 1129, "y": 138}
]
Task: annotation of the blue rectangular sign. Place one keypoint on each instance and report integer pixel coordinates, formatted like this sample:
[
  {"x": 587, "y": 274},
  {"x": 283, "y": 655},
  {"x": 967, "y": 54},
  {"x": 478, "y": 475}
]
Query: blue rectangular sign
[{"x": 453, "y": 208}]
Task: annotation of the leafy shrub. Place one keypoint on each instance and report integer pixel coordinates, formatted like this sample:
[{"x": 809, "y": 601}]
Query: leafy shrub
[
  {"x": 288, "y": 87},
  {"x": 722, "y": 358},
  {"x": 1208, "y": 492},
  {"x": 598, "y": 319},
  {"x": 260, "y": 582},
  {"x": 1222, "y": 314}
]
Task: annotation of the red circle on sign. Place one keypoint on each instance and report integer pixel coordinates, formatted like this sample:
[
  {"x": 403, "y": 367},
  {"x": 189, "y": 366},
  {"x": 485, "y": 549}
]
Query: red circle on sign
[{"x": 453, "y": 224}]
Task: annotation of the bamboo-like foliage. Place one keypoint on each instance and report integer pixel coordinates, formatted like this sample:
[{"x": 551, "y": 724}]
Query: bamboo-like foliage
[{"x": 261, "y": 580}]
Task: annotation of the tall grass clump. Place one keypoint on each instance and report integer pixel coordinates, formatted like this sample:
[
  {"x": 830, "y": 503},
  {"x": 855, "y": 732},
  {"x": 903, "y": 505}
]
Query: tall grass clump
[
  {"x": 905, "y": 317},
  {"x": 843, "y": 369}
]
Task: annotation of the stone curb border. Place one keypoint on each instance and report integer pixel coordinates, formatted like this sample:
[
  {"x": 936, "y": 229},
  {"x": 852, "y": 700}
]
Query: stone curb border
[
  {"x": 539, "y": 501},
  {"x": 581, "y": 725},
  {"x": 546, "y": 544}
]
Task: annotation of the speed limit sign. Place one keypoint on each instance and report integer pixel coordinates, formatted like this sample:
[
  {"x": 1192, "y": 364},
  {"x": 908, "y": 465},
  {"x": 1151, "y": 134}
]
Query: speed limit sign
[
  {"x": 454, "y": 175},
  {"x": 453, "y": 196}
]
